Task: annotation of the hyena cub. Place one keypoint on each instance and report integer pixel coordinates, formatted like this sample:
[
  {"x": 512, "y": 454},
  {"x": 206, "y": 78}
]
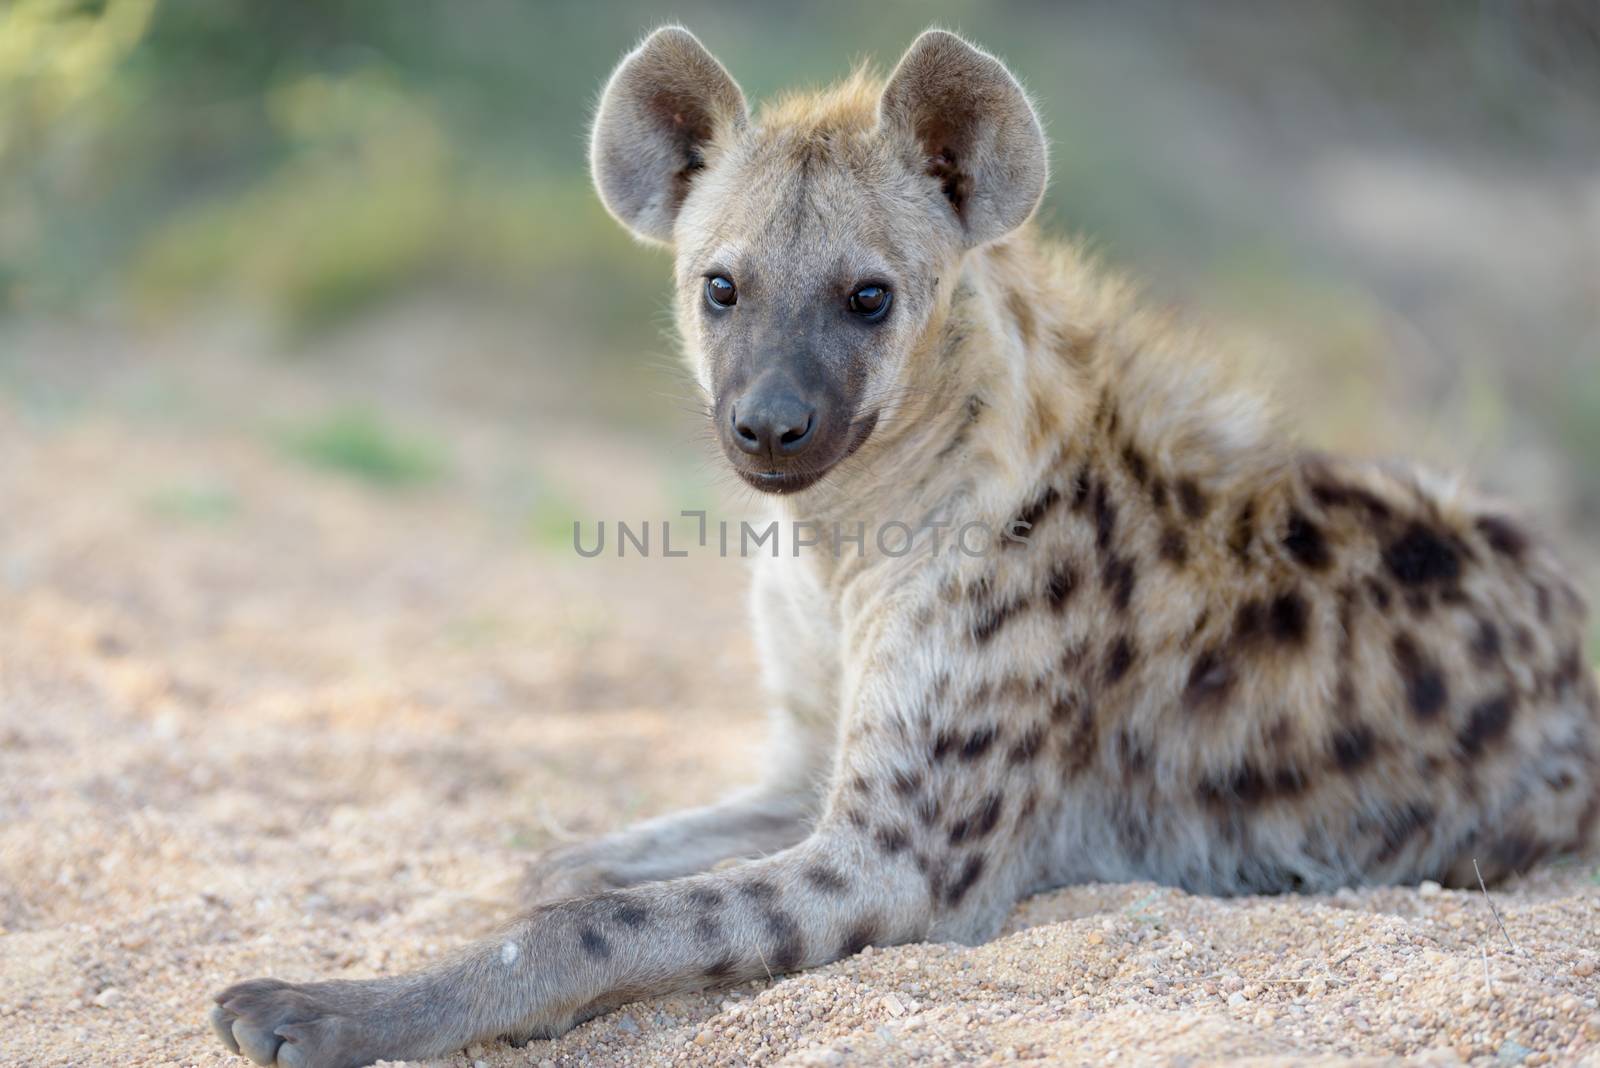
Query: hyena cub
[{"x": 1215, "y": 662}]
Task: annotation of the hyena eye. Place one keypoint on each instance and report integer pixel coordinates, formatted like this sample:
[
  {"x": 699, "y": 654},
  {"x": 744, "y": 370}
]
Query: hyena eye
[
  {"x": 871, "y": 302},
  {"x": 721, "y": 292}
]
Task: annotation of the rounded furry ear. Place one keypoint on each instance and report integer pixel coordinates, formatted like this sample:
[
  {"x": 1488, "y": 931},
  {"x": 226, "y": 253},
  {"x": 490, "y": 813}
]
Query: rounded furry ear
[
  {"x": 965, "y": 121},
  {"x": 667, "y": 101}
]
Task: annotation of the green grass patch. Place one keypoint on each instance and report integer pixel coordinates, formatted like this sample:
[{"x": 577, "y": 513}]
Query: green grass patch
[
  {"x": 550, "y": 517},
  {"x": 360, "y": 444},
  {"x": 194, "y": 504}
]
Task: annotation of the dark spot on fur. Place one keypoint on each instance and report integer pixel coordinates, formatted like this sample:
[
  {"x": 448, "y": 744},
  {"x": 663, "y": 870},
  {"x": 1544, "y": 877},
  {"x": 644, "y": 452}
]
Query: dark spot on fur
[
  {"x": 1422, "y": 556},
  {"x": 789, "y": 951},
  {"x": 1038, "y": 509},
  {"x": 1353, "y": 747},
  {"x": 706, "y": 897},
  {"x": 1244, "y": 531},
  {"x": 1058, "y": 588},
  {"x": 1079, "y": 741},
  {"x": 1306, "y": 542},
  {"x": 1191, "y": 499},
  {"x": 1379, "y": 593},
  {"x": 1487, "y": 723},
  {"x": 1341, "y": 495},
  {"x": 1288, "y": 616},
  {"x": 1029, "y": 804},
  {"x": 1486, "y": 642},
  {"x": 1027, "y": 747},
  {"x": 1158, "y": 493},
  {"x": 906, "y": 783},
  {"x": 1173, "y": 547},
  {"x": 594, "y": 943},
  {"x": 892, "y": 839},
  {"x": 978, "y": 743},
  {"x": 1419, "y": 603},
  {"x": 1118, "y": 578},
  {"x": 1137, "y": 465},
  {"x": 826, "y": 879},
  {"x": 721, "y": 969},
  {"x": 1426, "y": 691},
  {"x": 859, "y": 938},
  {"x": 978, "y": 823},
  {"x": 1082, "y": 489},
  {"x": 631, "y": 914},
  {"x": 1249, "y": 621},
  {"x": 971, "y": 872},
  {"x": 708, "y": 929},
  {"x": 993, "y": 618},
  {"x": 1119, "y": 658},
  {"x": 758, "y": 890},
  {"x": 1247, "y": 784},
  {"x": 1105, "y": 518},
  {"x": 1210, "y": 679},
  {"x": 1524, "y": 639},
  {"x": 943, "y": 742},
  {"x": 1132, "y": 754},
  {"x": 1503, "y": 536}
]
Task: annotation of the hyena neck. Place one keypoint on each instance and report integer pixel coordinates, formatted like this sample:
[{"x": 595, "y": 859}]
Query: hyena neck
[{"x": 1041, "y": 361}]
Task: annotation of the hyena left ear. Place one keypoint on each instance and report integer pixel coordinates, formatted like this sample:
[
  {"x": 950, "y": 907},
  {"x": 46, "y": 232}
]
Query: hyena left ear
[
  {"x": 963, "y": 119},
  {"x": 668, "y": 101}
]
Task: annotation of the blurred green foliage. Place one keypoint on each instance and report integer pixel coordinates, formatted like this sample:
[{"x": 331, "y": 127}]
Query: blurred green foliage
[
  {"x": 313, "y": 157},
  {"x": 192, "y": 503},
  {"x": 359, "y": 443}
]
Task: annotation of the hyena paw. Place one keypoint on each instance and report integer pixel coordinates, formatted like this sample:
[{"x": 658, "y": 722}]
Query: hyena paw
[{"x": 289, "y": 1025}]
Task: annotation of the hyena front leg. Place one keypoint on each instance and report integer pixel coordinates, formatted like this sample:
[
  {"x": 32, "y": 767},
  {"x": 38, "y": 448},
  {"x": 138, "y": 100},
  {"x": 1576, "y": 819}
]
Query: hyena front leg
[
  {"x": 915, "y": 842},
  {"x": 799, "y": 648}
]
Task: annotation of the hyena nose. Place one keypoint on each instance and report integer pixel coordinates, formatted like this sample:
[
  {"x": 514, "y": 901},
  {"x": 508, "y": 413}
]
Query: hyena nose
[{"x": 774, "y": 425}]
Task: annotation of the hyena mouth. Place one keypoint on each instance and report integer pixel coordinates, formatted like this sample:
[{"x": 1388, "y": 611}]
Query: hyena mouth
[{"x": 795, "y": 479}]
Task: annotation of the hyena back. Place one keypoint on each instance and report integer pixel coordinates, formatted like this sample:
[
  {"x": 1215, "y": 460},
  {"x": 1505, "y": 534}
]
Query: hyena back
[{"x": 1212, "y": 661}]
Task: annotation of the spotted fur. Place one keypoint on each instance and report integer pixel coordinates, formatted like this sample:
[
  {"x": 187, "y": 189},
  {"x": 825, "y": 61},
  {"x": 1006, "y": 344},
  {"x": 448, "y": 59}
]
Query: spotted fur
[{"x": 1216, "y": 662}]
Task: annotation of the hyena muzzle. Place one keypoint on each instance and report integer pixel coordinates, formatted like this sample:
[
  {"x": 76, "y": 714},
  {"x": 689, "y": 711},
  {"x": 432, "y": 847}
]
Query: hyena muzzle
[{"x": 1213, "y": 661}]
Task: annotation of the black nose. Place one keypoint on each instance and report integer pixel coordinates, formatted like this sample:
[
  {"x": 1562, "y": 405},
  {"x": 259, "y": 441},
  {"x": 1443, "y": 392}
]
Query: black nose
[{"x": 774, "y": 424}]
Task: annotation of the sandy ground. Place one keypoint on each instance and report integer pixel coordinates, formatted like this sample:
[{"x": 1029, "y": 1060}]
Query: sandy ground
[{"x": 321, "y": 736}]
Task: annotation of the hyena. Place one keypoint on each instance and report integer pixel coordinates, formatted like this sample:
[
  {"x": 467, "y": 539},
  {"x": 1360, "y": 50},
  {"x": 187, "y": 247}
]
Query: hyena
[{"x": 1212, "y": 661}]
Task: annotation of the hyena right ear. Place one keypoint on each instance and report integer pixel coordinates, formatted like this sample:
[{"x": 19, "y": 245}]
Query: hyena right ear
[
  {"x": 667, "y": 102},
  {"x": 960, "y": 117}
]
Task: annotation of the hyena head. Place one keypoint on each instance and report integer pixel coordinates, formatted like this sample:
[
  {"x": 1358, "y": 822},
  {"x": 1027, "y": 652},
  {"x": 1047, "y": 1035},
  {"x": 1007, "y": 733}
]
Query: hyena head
[{"x": 818, "y": 240}]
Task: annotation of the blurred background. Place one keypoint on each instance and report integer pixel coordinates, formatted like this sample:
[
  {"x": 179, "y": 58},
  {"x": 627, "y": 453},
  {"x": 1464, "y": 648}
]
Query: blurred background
[{"x": 355, "y": 242}]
